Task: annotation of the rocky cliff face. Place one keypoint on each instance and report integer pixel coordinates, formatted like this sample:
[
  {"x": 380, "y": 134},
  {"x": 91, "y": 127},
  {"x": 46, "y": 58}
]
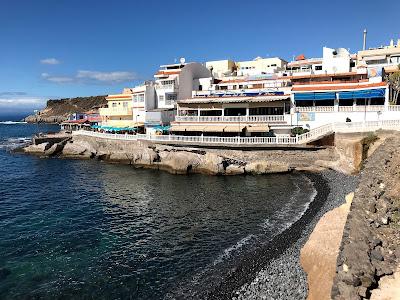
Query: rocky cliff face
[
  {"x": 370, "y": 248},
  {"x": 57, "y": 111}
]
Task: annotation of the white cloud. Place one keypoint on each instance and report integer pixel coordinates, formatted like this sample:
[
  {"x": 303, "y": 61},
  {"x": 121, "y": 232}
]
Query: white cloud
[
  {"x": 84, "y": 76},
  {"x": 57, "y": 79},
  {"x": 118, "y": 76},
  {"x": 50, "y": 61}
]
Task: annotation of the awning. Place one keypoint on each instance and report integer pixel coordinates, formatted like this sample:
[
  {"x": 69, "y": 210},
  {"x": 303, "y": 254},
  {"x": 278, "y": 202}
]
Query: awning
[
  {"x": 233, "y": 128},
  {"x": 314, "y": 96},
  {"x": 376, "y": 57},
  {"x": 216, "y": 128},
  {"x": 187, "y": 128},
  {"x": 374, "y": 93},
  {"x": 257, "y": 128}
]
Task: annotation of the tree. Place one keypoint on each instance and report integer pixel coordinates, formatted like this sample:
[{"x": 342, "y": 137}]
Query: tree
[{"x": 394, "y": 86}]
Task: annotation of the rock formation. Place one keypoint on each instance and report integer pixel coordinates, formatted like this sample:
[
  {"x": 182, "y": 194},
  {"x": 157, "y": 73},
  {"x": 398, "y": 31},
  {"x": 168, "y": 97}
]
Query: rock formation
[
  {"x": 370, "y": 249},
  {"x": 57, "y": 111}
]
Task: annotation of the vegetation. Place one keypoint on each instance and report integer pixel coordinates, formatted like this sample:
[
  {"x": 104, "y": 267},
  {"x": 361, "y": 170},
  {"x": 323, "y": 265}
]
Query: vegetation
[
  {"x": 394, "y": 86},
  {"x": 298, "y": 130}
]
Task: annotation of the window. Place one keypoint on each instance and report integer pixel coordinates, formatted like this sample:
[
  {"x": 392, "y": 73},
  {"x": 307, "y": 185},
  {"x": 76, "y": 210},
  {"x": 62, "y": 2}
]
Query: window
[
  {"x": 352, "y": 64},
  {"x": 125, "y": 104},
  {"x": 135, "y": 98},
  {"x": 170, "y": 99},
  {"x": 161, "y": 98},
  {"x": 167, "y": 82},
  {"x": 141, "y": 98},
  {"x": 318, "y": 68},
  {"x": 114, "y": 104}
]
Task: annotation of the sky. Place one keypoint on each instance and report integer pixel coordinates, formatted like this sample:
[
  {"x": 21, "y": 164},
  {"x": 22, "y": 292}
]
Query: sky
[{"x": 68, "y": 48}]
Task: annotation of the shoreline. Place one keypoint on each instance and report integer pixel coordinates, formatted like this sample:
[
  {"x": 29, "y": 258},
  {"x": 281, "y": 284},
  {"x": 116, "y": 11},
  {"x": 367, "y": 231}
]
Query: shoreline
[{"x": 276, "y": 273}]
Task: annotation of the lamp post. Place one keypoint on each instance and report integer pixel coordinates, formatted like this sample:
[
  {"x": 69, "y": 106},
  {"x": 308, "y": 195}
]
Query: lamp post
[
  {"x": 239, "y": 124},
  {"x": 36, "y": 119}
]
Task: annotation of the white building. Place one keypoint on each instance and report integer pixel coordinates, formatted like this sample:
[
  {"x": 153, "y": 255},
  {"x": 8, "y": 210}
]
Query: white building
[{"x": 177, "y": 81}]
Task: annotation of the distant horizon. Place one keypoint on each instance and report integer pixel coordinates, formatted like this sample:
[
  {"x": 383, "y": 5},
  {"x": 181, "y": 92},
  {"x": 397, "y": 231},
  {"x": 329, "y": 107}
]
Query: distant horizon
[{"x": 45, "y": 55}]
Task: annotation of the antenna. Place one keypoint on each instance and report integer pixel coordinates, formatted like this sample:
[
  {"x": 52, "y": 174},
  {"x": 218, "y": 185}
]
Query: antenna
[{"x": 365, "y": 39}]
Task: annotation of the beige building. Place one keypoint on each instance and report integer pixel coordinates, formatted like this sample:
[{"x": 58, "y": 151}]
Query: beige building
[
  {"x": 221, "y": 68},
  {"x": 260, "y": 66},
  {"x": 382, "y": 56}
]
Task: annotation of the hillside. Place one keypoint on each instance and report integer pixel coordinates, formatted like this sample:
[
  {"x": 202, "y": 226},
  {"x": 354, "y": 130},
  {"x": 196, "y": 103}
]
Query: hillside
[{"x": 57, "y": 111}]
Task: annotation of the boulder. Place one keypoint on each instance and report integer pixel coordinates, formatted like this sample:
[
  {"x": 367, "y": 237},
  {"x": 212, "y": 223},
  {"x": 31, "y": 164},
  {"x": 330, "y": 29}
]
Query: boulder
[
  {"x": 78, "y": 149},
  {"x": 265, "y": 167},
  {"x": 36, "y": 149},
  {"x": 234, "y": 170}
]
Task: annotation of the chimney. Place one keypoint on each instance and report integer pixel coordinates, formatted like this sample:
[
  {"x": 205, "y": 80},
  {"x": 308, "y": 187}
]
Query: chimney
[
  {"x": 391, "y": 43},
  {"x": 365, "y": 39}
]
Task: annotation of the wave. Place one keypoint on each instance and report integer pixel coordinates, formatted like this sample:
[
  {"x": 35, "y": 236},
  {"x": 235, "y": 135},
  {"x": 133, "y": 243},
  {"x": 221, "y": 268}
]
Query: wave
[
  {"x": 12, "y": 122},
  {"x": 277, "y": 225},
  {"x": 14, "y": 143}
]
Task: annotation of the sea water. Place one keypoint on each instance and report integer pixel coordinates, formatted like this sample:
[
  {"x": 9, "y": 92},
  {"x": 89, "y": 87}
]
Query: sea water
[{"x": 84, "y": 229}]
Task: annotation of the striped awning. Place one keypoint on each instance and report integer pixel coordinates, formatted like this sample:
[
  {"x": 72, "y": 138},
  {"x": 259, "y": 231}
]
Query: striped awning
[
  {"x": 187, "y": 128},
  {"x": 215, "y": 128},
  {"x": 374, "y": 93},
  {"x": 234, "y": 128},
  {"x": 314, "y": 96},
  {"x": 258, "y": 128}
]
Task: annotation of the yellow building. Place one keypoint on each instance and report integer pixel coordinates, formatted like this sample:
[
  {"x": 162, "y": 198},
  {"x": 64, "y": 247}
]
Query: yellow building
[{"x": 119, "y": 111}]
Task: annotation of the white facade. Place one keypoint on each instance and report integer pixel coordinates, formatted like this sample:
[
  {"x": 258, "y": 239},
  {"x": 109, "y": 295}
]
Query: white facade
[
  {"x": 335, "y": 60},
  {"x": 177, "y": 81},
  {"x": 260, "y": 66}
]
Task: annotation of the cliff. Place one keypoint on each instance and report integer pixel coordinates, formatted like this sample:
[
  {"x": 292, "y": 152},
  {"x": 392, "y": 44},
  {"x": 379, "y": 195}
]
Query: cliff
[
  {"x": 369, "y": 250},
  {"x": 57, "y": 111}
]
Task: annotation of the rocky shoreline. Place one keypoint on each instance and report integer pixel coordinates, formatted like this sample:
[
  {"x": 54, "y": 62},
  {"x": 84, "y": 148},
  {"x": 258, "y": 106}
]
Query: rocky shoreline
[
  {"x": 186, "y": 160},
  {"x": 282, "y": 277}
]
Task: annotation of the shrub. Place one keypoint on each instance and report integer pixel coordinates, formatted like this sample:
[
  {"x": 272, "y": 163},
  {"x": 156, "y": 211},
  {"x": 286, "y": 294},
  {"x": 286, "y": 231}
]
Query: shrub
[{"x": 299, "y": 130}]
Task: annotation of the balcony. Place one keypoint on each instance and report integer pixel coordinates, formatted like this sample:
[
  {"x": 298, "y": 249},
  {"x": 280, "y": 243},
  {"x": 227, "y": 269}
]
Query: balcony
[
  {"x": 116, "y": 111},
  {"x": 233, "y": 119}
]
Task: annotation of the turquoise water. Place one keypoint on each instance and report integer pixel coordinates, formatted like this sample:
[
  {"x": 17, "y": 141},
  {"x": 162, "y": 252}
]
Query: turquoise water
[{"x": 75, "y": 229}]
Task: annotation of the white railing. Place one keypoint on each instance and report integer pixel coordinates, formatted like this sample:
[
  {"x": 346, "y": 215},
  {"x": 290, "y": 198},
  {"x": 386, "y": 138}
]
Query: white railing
[
  {"x": 394, "y": 108},
  {"x": 356, "y": 108},
  {"x": 313, "y": 134},
  {"x": 236, "y": 119},
  {"x": 165, "y": 86},
  {"x": 315, "y": 109}
]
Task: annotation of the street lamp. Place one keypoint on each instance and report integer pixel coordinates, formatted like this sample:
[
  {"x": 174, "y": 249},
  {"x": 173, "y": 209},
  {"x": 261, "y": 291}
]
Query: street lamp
[
  {"x": 36, "y": 119},
  {"x": 239, "y": 125}
]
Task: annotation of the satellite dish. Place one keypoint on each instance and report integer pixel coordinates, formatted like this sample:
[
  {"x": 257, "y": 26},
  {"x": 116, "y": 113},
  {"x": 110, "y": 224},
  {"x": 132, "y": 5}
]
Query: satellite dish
[{"x": 182, "y": 60}]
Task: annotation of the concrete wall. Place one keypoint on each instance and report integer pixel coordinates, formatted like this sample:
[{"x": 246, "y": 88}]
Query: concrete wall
[
  {"x": 322, "y": 118},
  {"x": 189, "y": 73},
  {"x": 335, "y": 63}
]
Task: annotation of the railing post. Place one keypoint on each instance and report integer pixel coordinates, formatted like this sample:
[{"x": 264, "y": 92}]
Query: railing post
[{"x": 297, "y": 138}]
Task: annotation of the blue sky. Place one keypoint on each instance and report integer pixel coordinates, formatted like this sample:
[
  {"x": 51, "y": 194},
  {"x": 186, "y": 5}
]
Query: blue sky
[{"x": 68, "y": 48}]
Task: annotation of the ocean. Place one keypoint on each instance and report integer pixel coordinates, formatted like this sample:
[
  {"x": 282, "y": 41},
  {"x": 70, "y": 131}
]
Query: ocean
[{"x": 85, "y": 229}]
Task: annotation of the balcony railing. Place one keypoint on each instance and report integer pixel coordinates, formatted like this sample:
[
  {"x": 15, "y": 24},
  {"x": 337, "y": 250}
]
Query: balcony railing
[
  {"x": 315, "y": 109},
  {"x": 357, "y": 108},
  {"x": 234, "y": 119},
  {"x": 165, "y": 86}
]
